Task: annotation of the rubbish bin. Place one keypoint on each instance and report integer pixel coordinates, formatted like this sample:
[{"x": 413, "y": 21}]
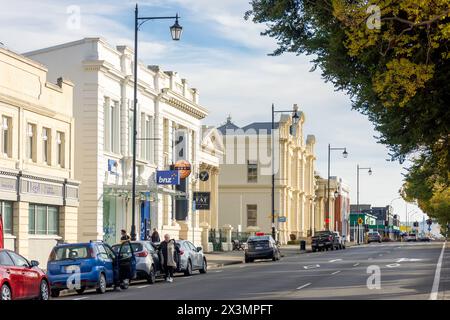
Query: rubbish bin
[{"x": 302, "y": 245}]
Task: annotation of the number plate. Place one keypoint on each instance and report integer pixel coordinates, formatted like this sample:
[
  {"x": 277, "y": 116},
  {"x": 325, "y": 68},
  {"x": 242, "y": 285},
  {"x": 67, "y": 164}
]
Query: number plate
[{"x": 258, "y": 248}]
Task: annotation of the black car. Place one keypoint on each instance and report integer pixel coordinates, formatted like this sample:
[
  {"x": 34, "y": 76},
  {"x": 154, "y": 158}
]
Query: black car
[
  {"x": 324, "y": 240},
  {"x": 261, "y": 247}
]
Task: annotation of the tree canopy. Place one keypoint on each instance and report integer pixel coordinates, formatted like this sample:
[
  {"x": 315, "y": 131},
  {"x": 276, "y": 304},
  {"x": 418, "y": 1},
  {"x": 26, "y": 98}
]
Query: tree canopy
[{"x": 392, "y": 58}]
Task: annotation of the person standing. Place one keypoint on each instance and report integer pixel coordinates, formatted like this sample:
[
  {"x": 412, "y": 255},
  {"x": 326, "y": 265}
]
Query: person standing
[
  {"x": 168, "y": 261},
  {"x": 124, "y": 236},
  {"x": 155, "y": 236}
]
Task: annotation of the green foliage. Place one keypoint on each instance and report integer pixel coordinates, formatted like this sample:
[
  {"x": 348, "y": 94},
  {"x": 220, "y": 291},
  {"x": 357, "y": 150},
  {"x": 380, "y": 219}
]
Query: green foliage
[{"x": 397, "y": 75}]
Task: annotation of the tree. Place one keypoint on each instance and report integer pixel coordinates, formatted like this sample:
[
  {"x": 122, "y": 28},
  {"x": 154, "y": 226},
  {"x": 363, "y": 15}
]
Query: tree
[{"x": 392, "y": 58}]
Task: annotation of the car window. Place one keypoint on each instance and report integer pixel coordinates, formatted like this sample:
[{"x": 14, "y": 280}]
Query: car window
[
  {"x": 102, "y": 252},
  {"x": 72, "y": 252},
  {"x": 110, "y": 252},
  {"x": 19, "y": 261},
  {"x": 5, "y": 259},
  {"x": 149, "y": 247},
  {"x": 191, "y": 246}
]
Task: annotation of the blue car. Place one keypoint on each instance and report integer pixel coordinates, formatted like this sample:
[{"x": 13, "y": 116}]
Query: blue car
[{"x": 90, "y": 265}]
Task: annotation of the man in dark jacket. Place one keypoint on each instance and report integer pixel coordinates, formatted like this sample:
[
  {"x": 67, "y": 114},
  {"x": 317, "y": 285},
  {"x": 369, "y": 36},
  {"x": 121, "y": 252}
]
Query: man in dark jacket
[{"x": 155, "y": 236}]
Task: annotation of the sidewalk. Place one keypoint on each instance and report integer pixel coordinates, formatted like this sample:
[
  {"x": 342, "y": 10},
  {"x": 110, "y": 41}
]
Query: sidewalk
[{"x": 219, "y": 259}]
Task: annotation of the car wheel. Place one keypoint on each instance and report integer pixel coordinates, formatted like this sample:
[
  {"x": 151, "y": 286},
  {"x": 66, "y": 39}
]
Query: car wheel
[
  {"x": 5, "y": 293},
  {"x": 248, "y": 260},
  {"x": 101, "y": 286},
  {"x": 204, "y": 269},
  {"x": 125, "y": 284},
  {"x": 54, "y": 293},
  {"x": 151, "y": 276},
  {"x": 274, "y": 257},
  {"x": 188, "y": 271},
  {"x": 331, "y": 247},
  {"x": 81, "y": 290},
  {"x": 43, "y": 290},
  {"x": 313, "y": 249}
]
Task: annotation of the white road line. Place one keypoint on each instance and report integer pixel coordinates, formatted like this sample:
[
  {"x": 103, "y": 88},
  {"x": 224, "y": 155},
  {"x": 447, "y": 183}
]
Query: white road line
[
  {"x": 356, "y": 264},
  {"x": 437, "y": 276},
  {"x": 82, "y": 298},
  {"x": 394, "y": 265},
  {"x": 334, "y": 260},
  {"x": 336, "y": 272},
  {"x": 380, "y": 255},
  {"x": 370, "y": 259},
  {"x": 218, "y": 271},
  {"x": 304, "y": 286},
  {"x": 141, "y": 287}
]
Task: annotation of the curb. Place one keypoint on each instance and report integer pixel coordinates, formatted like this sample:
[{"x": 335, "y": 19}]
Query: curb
[{"x": 221, "y": 265}]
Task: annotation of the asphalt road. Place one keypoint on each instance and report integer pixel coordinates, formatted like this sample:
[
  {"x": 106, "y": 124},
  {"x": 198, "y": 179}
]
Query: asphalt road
[{"x": 406, "y": 271}]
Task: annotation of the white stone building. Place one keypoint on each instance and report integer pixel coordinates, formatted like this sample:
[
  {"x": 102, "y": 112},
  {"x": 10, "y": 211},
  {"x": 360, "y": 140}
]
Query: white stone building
[
  {"x": 103, "y": 107},
  {"x": 38, "y": 191}
]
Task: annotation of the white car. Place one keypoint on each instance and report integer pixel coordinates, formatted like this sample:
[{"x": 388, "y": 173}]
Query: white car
[
  {"x": 340, "y": 240},
  {"x": 411, "y": 237}
]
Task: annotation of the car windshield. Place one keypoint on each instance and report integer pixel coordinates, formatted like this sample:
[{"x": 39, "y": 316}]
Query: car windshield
[
  {"x": 258, "y": 238},
  {"x": 72, "y": 252}
]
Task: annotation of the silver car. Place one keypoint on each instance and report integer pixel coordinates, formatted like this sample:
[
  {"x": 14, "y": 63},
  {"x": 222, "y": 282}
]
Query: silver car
[
  {"x": 191, "y": 258},
  {"x": 147, "y": 260}
]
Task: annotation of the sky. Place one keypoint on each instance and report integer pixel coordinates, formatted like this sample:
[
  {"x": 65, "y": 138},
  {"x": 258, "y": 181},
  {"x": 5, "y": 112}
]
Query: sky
[{"x": 226, "y": 59}]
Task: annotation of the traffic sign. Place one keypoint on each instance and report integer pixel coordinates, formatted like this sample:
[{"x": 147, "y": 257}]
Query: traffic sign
[
  {"x": 281, "y": 219},
  {"x": 360, "y": 221}
]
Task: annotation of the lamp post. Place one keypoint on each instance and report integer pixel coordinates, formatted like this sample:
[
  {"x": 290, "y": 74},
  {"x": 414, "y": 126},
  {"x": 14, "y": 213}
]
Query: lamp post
[
  {"x": 345, "y": 155},
  {"x": 175, "y": 31},
  {"x": 295, "y": 119},
  {"x": 358, "y": 168}
]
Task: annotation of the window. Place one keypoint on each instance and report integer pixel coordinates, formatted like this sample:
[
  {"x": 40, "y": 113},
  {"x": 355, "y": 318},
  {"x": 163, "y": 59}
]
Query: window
[
  {"x": 6, "y": 212},
  {"x": 43, "y": 219},
  {"x": 46, "y": 143},
  {"x": 111, "y": 125},
  {"x": 31, "y": 142},
  {"x": 19, "y": 261},
  {"x": 130, "y": 129},
  {"x": 60, "y": 152},
  {"x": 251, "y": 215},
  {"x": 147, "y": 133},
  {"x": 6, "y": 136},
  {"x": 5, "y": 259},
  {"x": 252, "y": 172}
]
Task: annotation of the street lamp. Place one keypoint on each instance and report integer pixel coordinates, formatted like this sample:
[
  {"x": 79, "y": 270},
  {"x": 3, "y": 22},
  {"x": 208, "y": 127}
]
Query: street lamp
[
  {"x": 175, "y": 32},
  {"x": 345, "y": 155},
  {"x": 295, "y": 120},
  {"x": 358, "y": 168}
]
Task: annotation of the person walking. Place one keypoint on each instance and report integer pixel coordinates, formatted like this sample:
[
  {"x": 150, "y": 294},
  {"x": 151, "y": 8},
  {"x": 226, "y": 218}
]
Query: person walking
[
  {"x": 155, "y": 236},
  {"x": 169, "y": 250},
  {"x": 124, "y": 236}
]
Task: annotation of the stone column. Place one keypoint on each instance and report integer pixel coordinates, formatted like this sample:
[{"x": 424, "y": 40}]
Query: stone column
[
  {"x": 227, "y": 246},
  {"x": 68, "y": 223},
  {"x": 207, "y": 247},
  {"x": 20, "y": 227}
]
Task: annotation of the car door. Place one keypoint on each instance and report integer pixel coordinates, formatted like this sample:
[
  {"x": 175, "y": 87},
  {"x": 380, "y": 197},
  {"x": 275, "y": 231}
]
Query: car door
[
  {"x": 29, "y": 278},
  {"x": 106, "y": 256},
  {"x": 195, "y": 255},
  {"x": 154, "y": 255},
  {"x": 15, "y": 279},
  {"x": 126, "y": 262}
]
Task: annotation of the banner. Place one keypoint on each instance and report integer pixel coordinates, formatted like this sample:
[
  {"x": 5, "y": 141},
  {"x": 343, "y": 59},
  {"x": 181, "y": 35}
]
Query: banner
[{"x": 168, "y": 177}]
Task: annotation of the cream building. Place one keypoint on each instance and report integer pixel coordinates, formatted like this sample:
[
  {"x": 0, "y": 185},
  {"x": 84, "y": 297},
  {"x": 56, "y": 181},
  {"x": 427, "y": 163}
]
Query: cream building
[
  {"x": 245, "y": 178},
  {"x": 103, "y": 104},
  {"x": 38, "y": 193}
]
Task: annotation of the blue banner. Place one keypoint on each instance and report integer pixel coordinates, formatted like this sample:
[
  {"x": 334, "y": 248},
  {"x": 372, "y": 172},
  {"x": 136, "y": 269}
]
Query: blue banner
[{"x": 170, "y": 177}]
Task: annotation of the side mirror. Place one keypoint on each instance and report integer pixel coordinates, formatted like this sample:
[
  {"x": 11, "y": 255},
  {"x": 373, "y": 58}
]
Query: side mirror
[
  {"x": 34, "y": 263},
  {"x": 199, "y": 249}
]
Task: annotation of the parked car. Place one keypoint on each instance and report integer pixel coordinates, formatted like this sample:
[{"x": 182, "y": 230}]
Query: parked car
[
  {"x": 425, "y": 239},
  {"x": 20, "y": 279},
  {"x": 373, "y": 236},
  {"x": 340, "y": 240},
  {"x": 148, "y": 265},
  {"x": 324, "y": 240},
  {"x": 97, "y": 264},
  {"x": 261, "y": 247},
  {"x": 191, "y": 258},
  {"x": 411, "y": 237}
]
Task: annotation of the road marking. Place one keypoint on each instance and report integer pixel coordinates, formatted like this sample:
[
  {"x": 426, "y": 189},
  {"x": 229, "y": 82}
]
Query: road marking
[
  {"x": 380, "y": 255},
  {"x": 437, "y": 275},
  {"x": 304, "y": 286},
  {"x": 370, "y": 259},
  {"x": 394, "y": 265},
  {"x": 82, "y": 298},
  {"x": 407, "y": 260},
  {"x": 218, "y": 271},
  {"x": 334, "y": 260},
  {"x": 356, "y": 264},
  {"x": 312, "y": 266},
  {"x": 141, "y": 287},
  {"x": 336, "y": 272}
]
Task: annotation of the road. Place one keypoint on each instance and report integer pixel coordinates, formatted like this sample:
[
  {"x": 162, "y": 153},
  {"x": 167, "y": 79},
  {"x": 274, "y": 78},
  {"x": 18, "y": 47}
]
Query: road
[{"x": 407, "y": 271}]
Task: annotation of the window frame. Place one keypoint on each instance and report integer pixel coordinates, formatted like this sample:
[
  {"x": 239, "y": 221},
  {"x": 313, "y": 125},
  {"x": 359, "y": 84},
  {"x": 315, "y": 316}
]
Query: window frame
[
  {"x": 3, "y": 215},
  {"x": 34, "y": 214},
  {"x": 6, "y": 130},
  {"x": 255, "y": 210},
  {"x": 252, "y": 171}
]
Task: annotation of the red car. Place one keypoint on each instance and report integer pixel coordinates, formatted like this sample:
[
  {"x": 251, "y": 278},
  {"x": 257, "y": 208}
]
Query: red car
[{"x": 20, "y": 279}]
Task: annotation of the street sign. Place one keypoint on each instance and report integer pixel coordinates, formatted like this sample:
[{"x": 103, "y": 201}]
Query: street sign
[
  {"x": 281, "y": 219},
  {"x": 203, "y": 176},
  {"x": 360, "y": 221},
  {"x": 202, "y": 200},
  {"x": 168, "y": 177}
]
